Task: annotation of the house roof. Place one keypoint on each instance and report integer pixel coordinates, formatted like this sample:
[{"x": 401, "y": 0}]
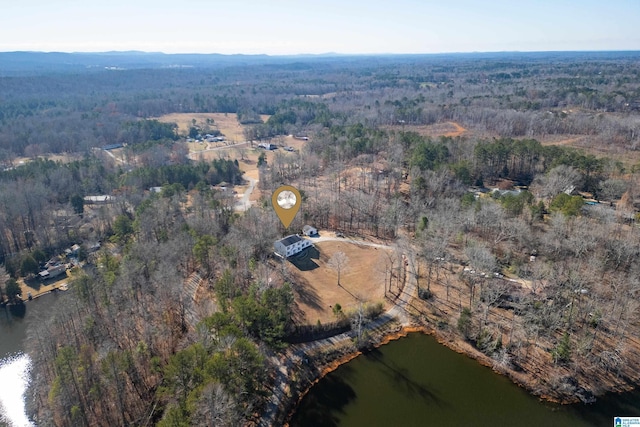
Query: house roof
[
  {"x": 290, "y": 240},
  {"x": 98, "y": 199}
]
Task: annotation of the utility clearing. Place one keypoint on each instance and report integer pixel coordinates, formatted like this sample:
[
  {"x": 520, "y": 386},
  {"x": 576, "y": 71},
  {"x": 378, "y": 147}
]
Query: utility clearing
[{"x": 450, "y": 129}]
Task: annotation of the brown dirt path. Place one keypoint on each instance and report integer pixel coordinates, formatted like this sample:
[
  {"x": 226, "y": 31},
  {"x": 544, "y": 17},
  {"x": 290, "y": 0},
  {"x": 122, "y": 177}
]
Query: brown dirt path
[{"x": 450, "y": 129}]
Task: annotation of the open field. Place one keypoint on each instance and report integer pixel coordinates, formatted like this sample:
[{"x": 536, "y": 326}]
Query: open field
[
  {"x": 585, "y": 143},
  {"x": 248, "y": 158},
  {"x": 62, "y": 158},
  {"x": 316, "y": 286},
  {"x": 227, "y": 123},
  {"x": 235, "y": 147}
]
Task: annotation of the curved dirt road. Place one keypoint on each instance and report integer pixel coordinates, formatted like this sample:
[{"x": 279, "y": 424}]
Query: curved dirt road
[{"x": 245, "y": 203}]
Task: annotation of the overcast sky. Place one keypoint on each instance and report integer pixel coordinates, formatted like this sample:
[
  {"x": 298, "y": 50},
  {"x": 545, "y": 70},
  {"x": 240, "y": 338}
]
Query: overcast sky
[{"x": 342, "y": 26}]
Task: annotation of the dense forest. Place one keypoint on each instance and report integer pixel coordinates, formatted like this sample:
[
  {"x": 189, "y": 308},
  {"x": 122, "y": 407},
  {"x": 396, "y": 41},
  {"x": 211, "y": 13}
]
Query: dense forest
[
  {"x": 527, "y": 95},
  {"x": 540, "y": 185}
]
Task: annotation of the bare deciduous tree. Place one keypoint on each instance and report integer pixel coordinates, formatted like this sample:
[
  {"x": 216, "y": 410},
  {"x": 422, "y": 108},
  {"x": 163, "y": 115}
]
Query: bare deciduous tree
[
  {"x": 559, "y": 179},
  {"x": 339, "y": 262}
]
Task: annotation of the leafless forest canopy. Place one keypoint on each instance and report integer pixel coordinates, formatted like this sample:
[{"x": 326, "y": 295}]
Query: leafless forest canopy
[{"x": 408, "y": 149}]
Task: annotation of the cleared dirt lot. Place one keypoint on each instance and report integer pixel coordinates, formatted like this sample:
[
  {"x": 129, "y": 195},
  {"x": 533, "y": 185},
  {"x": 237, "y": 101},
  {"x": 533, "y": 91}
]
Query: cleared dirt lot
[
  {"x": 316, "y": 285},
  {"x": 591, "y": 145},
  {"x": 452, "y": 129}
]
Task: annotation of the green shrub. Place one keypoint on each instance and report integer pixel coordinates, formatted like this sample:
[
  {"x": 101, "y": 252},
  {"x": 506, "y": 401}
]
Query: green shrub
[
  {"x": 567, "y": 205},
  {"x": 464, "y": 322},
  {"x": 562, "y": 351},
  {"x": 425, "y": 294}
]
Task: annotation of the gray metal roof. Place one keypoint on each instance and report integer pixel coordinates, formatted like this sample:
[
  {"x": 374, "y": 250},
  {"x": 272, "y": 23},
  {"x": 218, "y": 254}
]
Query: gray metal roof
[{"x": 290, "y": 240}]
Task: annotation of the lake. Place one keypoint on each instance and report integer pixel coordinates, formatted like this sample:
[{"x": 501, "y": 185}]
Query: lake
[
  {"x": 415, "y": 381},
  {"x": 14, "y": 364}
]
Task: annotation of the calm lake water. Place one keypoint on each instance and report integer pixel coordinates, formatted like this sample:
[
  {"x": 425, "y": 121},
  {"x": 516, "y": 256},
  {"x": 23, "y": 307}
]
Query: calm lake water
[
  {"x": 14, "y": 365},
  {"x": 416, "y": 381}
]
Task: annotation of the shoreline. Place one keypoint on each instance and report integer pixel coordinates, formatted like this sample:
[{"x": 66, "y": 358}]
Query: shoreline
[
  {"x": 33, "y": 297},
  {"x": 43, "y": 289},
  {"x": 293, "y": 401},
  {"x": 331, "y": 366}
]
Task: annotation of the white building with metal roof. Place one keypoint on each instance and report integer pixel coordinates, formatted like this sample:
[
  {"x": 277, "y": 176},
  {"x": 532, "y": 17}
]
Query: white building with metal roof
[{"x": 291, "y": 245}]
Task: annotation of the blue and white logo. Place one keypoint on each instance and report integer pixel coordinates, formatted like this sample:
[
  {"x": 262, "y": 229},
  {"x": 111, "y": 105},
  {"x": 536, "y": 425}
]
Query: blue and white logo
[{"x": 626, "y": 422}]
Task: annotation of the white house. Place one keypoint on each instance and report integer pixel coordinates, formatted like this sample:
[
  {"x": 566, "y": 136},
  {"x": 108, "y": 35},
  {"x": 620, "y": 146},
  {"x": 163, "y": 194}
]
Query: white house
[
  {"x": 309, "y": 231},
  {"x": 291, "y": 245},
  {"x": 98, "y": 200},
  {"x": 52, "y": 272}
]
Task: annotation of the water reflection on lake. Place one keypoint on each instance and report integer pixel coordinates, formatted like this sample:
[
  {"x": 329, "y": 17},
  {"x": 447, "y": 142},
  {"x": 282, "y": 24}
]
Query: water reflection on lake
[
  {"x": 416, "y": 381},
  {"x": 14, "y": 365},
  {"x": 14, "y": 378}
]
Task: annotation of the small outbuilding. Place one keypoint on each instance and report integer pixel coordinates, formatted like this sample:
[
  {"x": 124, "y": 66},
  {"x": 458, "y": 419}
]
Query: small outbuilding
[
  {"x": 267, "y": 146},
  {"x": 309, "y": 231},
  {"x": 291, "y": 245},
  {"x": 73, "y": 251}
]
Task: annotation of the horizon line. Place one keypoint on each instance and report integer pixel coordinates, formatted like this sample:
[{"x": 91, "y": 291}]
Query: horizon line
[{"x": 136, "y": 51}]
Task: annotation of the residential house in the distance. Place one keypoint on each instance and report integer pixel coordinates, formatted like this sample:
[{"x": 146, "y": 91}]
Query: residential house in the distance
[
  {"x": 267, "y": 146},
  {"x": 291, "y": 245}
]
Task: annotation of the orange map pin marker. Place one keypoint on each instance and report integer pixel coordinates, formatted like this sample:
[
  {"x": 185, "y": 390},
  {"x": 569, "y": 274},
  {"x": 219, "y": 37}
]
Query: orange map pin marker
[{"x": 286, "y": 202}]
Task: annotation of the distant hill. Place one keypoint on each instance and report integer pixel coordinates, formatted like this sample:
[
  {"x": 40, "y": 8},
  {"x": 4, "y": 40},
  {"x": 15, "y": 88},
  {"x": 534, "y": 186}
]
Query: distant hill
[
  {"x": 12, "y": 63},
  {"x": 38, "y": 62}
]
